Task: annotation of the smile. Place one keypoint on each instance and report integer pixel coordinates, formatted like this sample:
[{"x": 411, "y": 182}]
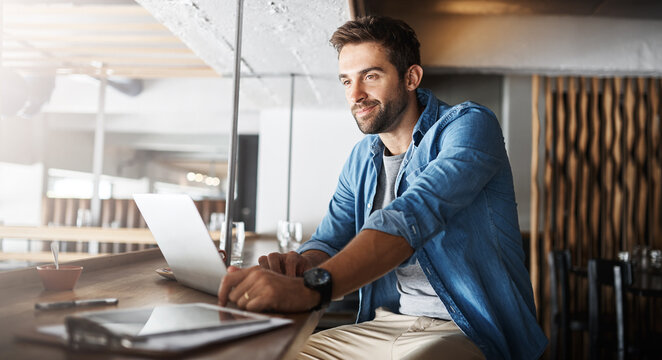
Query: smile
[{"x": 364, "y": 111}]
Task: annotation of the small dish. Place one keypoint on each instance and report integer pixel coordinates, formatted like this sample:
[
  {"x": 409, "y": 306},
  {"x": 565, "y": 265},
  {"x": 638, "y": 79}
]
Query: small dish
[
  {"x": 64, "y": 278},
  {"x": 166, "y": 272}
]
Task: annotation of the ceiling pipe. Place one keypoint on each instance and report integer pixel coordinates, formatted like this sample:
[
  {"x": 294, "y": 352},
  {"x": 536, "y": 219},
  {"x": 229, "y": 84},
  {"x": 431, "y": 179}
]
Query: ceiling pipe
[{"x": 232, "y": 158}]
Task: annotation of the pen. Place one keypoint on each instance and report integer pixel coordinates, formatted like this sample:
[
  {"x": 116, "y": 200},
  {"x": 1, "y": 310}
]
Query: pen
[{"x": 75, "y": 303}]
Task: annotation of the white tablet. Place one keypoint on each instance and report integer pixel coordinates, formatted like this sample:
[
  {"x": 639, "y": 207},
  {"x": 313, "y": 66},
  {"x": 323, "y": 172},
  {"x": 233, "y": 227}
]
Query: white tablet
[{"x": 137, "y": 324}]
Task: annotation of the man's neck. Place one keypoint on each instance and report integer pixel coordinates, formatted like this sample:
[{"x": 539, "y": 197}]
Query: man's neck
[{"x": 397, "y": 140}]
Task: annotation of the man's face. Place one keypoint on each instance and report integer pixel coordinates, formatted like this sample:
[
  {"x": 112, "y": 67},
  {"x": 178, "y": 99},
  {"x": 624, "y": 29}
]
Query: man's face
[{"x": 376, "y": 94}]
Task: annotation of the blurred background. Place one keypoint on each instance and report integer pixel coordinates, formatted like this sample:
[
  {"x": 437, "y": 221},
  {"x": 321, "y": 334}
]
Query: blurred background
[{"x": 101, "y": 99}]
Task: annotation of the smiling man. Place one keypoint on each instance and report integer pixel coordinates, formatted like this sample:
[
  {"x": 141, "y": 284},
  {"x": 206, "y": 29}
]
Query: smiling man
[{"x": 423, "y": 222}]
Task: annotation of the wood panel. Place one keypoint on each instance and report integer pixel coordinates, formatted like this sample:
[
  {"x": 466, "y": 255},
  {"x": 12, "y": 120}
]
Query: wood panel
[
  {"x": 535, "y": 192},
  {"x": 629, "y": 165},
  {"x": 602, "y": 184},
  {"x": 595, "y": 180},
  {"x": 579, "y": 256},
  {"x": 609, "y": 248},
  {"x": 560, "y": 146},
  {"x": 573, "y": 164},
  {"x": 656, "y": 163},
  {"x": 618, "y": 211},
  {"x": 548, "y": 213}
]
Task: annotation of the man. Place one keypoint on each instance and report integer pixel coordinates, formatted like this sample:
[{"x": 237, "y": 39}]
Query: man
[{"x": 423, "y": 221}]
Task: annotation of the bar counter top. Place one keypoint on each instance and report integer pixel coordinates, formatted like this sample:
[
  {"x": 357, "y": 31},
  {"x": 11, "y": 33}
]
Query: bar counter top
[{"x": 131, "y": 278}]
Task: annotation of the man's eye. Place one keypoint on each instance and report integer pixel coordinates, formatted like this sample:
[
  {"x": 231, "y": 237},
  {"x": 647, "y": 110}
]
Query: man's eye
[
  {"x": 345, "y": 82},
  {"x": 370, "y": 77}
]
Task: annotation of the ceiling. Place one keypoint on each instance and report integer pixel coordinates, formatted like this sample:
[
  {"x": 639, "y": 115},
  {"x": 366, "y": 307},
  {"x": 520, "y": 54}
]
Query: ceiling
[
  {"x": 117, "y": 38},
  {"x": 195, "y": 38},
  {"x": 157, "y": 40},
  {"x": 154, "y": 39}
]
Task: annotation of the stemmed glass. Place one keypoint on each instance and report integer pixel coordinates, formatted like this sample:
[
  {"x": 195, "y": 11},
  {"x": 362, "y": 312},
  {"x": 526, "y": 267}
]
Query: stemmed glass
[{"x": 289, "y": 235}]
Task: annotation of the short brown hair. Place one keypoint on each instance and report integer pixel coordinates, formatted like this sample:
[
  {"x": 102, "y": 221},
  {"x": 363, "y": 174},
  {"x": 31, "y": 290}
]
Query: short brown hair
[{"x": 398, "y": 38}]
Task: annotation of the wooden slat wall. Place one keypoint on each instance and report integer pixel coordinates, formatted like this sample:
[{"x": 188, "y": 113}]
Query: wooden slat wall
[
  {"x": 602, "y": 183},
  {"x": 535, "y": 189},
  {"x": 121, "y": 213}
]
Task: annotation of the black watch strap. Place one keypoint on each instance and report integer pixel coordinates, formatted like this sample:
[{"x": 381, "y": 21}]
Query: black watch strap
[{"x": 319, "y": 279}]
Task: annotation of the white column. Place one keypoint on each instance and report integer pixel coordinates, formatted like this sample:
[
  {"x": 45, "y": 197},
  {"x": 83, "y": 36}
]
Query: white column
[{"x": 97, "y": 162}]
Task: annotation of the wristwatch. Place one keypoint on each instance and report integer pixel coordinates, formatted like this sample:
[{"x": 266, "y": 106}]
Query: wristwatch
[{"x": 319, "y": 279}]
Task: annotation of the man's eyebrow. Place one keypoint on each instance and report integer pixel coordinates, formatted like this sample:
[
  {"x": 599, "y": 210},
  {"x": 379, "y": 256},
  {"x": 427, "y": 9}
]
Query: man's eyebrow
[{"x": 364, "y": 71}]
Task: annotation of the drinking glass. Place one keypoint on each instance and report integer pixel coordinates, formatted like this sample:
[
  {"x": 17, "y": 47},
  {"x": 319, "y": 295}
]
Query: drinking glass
[
  {"x": 215, "y": 221},
  {"x": 656, "y": 260},
  {"x": 238, "y": 238},
  {"x": 289, "y": 235},
  {"x": 624, "y": 256}
]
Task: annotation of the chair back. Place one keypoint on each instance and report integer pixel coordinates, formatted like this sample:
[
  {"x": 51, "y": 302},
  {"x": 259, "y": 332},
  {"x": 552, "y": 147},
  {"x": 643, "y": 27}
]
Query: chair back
[
  {"x": 601, "y": 273},
  {"x": 559, "y": 263}
]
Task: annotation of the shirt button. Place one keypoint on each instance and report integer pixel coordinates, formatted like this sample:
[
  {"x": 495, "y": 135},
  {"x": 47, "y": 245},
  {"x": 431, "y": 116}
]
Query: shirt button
[
  {"x": 413, "y": 229},
  {"x": 369, "y": 205}
]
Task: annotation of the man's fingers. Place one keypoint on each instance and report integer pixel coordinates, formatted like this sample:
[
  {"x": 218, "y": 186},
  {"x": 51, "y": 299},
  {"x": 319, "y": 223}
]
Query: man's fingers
[
  {"x": 238, "y": 291},
  {"x": 258, "y": 304},
  {"x": 239, "y": 297},
  {"x": 275, "y": 263},
  {"x": 291, "y": 262},
  {"x": 233, "y": 269},
  {"x": 230, "y": 280},
  {"x": 255, "y": 286},
  {"x": 263, "y": 261}
]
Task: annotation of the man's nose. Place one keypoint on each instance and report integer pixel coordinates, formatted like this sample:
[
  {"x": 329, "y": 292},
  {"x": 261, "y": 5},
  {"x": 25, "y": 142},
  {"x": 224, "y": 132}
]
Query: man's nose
[{"x": 356, "y": 94}]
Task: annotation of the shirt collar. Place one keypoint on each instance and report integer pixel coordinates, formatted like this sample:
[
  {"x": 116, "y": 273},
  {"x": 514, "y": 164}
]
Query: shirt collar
[
  {"x": 429, "y": 116},
  {"x": 425, "y": 121}
]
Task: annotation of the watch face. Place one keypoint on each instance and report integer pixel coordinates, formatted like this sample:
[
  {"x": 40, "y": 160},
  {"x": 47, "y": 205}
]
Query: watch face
[{"x": 317, "y": 277}]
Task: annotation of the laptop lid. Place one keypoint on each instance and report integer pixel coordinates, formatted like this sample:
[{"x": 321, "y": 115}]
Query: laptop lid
[{"x": 183, "y": 239}]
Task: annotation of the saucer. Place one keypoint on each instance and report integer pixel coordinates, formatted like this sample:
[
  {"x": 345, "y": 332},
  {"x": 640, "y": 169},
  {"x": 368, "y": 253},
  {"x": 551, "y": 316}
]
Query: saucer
[{"x": 166, "y": 272}]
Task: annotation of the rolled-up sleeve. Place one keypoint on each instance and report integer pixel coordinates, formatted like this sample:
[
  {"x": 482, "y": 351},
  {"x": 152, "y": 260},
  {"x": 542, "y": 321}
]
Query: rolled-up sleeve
[{"x": 471, "y": 152}]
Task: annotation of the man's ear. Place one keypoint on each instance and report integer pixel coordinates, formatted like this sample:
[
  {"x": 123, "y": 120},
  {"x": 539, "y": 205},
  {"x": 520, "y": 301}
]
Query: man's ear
[{"x": 413, "y": 77}]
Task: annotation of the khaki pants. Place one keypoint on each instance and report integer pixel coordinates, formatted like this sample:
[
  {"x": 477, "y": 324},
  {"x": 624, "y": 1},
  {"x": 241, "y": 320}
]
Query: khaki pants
[{"x": 392, "y": 336}]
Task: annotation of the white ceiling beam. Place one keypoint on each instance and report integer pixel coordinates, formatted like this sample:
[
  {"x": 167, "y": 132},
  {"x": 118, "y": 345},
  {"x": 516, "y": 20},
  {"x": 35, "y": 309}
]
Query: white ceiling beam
[
  {"x": 95, "y": 39},
  {"x": 69, "y": 26},
  {"x": 129, "y": 72},
  {"x": 108, "y": 60},
  {"x": 119, "y": 50},
  {"x": 97, "y": 10}
]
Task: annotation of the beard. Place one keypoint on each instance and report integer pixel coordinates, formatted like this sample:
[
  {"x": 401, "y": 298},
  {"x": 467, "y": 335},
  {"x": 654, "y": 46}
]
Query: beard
[{"x": 387, "y": 115}]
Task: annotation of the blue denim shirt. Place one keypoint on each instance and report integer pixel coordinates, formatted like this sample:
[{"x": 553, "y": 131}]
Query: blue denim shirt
[{"x": 455, "y": 205}]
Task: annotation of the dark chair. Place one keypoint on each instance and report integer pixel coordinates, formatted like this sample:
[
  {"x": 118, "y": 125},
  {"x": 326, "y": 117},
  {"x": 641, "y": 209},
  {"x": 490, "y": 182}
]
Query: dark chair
[
  {"x": 340, "y": 312},
  {"x": 614, "y": 274},
  {"x": 563, "y": 320}
]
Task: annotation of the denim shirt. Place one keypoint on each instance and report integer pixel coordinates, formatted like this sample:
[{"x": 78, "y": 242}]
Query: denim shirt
[{"x": 455, "y": 205}]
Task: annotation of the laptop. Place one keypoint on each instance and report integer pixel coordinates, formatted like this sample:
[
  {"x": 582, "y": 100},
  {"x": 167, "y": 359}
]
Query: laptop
[{"x": 183, "y": 239}]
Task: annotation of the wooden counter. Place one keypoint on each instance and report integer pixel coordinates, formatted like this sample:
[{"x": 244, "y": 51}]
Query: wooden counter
[
  {"x": 131, "y": 278},
  {"x": 72, "y": 233}
]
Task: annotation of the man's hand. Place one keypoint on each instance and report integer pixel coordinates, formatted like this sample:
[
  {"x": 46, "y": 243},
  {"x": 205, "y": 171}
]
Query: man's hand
[
  {"x": 290, "y": 264},
  {"x": 258, "y": 289}
]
